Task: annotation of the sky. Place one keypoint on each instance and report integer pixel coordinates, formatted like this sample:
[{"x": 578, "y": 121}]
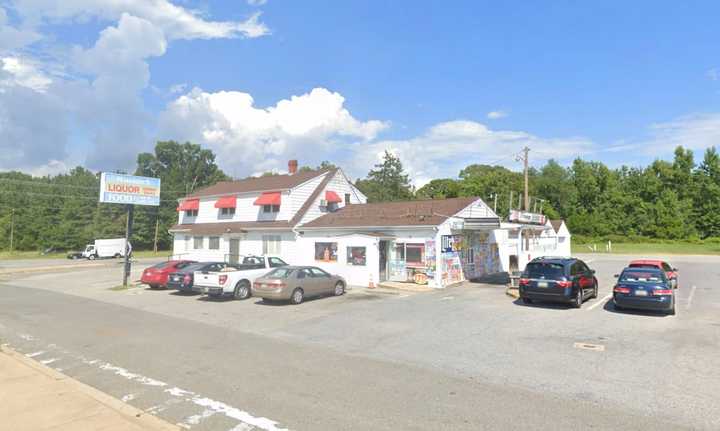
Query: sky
[{"x": 440, "y": 84}]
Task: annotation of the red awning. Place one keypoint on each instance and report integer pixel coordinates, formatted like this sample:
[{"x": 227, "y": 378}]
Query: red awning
[
  {"x": 189, "y": 204},
  {"x": 331, "y": 196},
  {"x": 268, "y": 198},
  {"x": 226, "y": 202}
]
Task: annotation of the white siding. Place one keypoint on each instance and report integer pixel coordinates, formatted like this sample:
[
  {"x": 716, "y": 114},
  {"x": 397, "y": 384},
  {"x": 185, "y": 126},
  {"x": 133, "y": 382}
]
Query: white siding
[
  {"x": 477, "y": 209},
  {"x": 302, "y": 193},
  {"x": 340, "y": 185}
]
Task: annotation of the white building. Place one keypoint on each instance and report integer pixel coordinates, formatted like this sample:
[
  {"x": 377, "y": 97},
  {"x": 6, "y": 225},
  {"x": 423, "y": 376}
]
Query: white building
[{"x": 319, "y": 218}]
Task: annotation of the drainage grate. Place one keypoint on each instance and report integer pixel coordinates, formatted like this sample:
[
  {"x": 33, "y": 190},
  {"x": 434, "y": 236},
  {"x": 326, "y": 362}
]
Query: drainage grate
[{"x": 589, "y": 346}]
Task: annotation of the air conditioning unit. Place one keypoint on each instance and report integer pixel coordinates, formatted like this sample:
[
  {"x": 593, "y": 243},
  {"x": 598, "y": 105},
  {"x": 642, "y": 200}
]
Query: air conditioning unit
[{"x": 323, "y": 203}]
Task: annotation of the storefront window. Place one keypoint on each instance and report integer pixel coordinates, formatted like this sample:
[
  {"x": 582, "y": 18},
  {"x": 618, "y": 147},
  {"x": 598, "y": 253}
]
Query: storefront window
[
  {"x": 414, "y": 254},
  {"x": 326, "y": 251},
  {"x": 356, "y": 256}
]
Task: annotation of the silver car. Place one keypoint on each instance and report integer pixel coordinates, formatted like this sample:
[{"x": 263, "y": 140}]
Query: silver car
[{"x": 295, "y": 283}]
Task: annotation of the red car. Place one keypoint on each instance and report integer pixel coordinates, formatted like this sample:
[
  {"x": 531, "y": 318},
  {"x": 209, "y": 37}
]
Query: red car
[
  {"x": 670, "y": 272},
  {"x": 157, "y": 276}
]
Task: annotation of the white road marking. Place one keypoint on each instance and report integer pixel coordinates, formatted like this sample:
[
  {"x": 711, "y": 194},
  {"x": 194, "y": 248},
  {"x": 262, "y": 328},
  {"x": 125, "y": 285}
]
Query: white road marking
[
  {"x": 38, "y": 353},
  {"x": 601, "y": 301},
  {"x": 49, "y": 361},
  {"x": 589, "y": 346},
  {"x": 690, "y": 297},
  {"x": 445, "y": 298},
  {"x": 128, "y": 397},
  {"x": 26, "y": 337},
  {"x": 196, "y": 419},
  {"x": 210, "y": 406}
]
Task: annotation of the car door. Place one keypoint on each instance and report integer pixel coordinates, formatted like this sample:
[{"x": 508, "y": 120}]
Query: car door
[
  {"x": 323, "y": 283},
  {"x": 577, "y": 276},
  {"x": 306, "y": 281},
  {"x": 588, "y": 278},
  {"x": 670, "y": 274}
]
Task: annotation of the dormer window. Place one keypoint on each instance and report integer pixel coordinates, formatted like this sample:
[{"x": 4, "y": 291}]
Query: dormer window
[{"x": 271, "y": 208}]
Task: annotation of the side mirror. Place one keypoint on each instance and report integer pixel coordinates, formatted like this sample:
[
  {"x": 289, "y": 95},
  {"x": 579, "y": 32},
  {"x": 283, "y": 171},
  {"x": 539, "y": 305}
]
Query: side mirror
[
  {"x": 616, "y": 275},
  {"x": 593, "y": 271},
  {"x": 675, "y": 269}
]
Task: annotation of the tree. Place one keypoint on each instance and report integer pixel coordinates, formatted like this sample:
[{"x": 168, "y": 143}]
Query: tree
[
  {"x": 439, "y": 189},
  {"x": 387, "y": 182},
  {"x": 707, "y": 203},
  {"x": 182, "y": 168}
]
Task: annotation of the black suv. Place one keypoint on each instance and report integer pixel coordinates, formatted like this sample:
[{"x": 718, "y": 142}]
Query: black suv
[{"x": 558, "y": 279}]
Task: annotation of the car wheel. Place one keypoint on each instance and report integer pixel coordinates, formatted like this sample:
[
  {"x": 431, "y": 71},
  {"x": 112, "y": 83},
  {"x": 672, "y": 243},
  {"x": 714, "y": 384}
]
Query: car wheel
[
  {"x": 297, "y": 296},
  {"x": 578, "y": 298},
  {"x": 91, "y": 257},
  {"x": 242, "y": 290},
  {"x": 527, "y": 301},
  {"x": 339, "y": 288}
]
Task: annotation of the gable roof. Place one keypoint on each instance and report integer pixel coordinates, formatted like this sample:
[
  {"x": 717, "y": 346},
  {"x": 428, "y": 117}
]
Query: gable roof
[
  {"x": 388, "y": 214},
  {"x": 258, "y": 184},
  {"x": 556, "y": 225}
]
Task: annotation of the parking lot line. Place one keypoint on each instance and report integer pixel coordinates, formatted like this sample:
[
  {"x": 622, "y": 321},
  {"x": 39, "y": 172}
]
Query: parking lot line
[
  {"x": 690, "y": 297},
  {"x": 601, "y": 301}
]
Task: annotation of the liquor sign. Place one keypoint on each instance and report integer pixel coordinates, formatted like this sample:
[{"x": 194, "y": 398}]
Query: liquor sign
[
  {"x": 129, "y": 189},
  {"x": 526, "y": 217}
]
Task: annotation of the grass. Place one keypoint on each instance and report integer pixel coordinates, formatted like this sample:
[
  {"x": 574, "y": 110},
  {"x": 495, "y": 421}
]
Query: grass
[
  {"x": 6, "y": 255},
  {"x": 652, "y": 248}
]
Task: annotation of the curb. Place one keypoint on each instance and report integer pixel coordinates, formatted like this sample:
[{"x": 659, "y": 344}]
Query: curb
[
  {"x": 133, "y": 414},
  {"x": 513, "y": 292}
]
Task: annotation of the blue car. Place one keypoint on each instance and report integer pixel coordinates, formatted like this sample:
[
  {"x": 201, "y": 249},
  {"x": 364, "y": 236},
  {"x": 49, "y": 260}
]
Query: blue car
[{"x": 644, "y": 289}]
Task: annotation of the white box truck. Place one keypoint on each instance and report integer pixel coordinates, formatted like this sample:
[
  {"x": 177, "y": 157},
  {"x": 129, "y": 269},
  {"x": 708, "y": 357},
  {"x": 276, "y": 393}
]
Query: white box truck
[{"x": 104, "y": 248}]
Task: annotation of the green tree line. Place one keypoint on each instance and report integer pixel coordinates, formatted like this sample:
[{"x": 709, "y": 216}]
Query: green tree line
[{"x": 678, "y": 199}]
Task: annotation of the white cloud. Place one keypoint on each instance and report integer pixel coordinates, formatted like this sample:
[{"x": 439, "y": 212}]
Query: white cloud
[
  {"x": 713, "y": 74},
  {"x": 175, "y": 21},
  {"x": 177, "y": 88},
  {"x": 448, "y": 147},
  {"x": 311, "y": 127},
  {"x": 494, "y": 115},
  {"x": 12, "y": 37},
  {"x": 256, "y": 2},
  {"x": 22, "y": 72},
  {"x": 698, "y": 131}
]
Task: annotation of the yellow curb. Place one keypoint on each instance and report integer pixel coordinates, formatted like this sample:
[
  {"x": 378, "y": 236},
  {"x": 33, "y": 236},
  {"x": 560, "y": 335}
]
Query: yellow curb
[
  {"x": 132, "y": 414},
  {"x": 512, "y": 292}
]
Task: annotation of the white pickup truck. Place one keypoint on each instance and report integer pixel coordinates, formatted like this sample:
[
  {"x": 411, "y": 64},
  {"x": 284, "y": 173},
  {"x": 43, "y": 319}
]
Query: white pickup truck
[{"x": 235, "y": 280}]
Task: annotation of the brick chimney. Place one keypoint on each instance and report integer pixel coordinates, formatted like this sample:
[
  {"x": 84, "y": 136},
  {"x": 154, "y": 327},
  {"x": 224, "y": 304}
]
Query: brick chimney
[{"x": 292, "y": 167}]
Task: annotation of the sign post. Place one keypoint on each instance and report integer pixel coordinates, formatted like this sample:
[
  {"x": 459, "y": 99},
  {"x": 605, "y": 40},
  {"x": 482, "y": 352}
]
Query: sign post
[{"x": 129, "y": 190}]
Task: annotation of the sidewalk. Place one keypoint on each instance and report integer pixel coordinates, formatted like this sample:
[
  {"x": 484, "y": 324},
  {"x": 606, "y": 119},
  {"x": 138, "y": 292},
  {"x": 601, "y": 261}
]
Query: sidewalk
[{"x": 35, "y": 397}]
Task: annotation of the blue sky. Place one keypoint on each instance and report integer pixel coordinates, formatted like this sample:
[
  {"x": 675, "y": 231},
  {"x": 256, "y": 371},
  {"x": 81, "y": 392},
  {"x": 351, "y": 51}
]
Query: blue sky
[{"x": 262, "y": 83}]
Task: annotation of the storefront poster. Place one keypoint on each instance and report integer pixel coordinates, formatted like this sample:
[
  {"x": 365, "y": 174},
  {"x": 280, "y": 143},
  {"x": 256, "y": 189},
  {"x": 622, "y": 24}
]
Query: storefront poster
[{"x": 430, "y": 260}]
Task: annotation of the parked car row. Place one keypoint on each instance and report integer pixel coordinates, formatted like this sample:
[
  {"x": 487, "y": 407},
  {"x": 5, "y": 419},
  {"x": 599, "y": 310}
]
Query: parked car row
[
  {"x": 266, "y": 277},
  {"x": 644, "y": 284}
]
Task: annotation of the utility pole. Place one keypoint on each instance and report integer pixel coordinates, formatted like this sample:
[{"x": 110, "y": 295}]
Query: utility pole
[
  {"x": 495, "y": 206},
  {"x": 12, "y": 228},
  {"x": 157, "y": 225},
  {"x": 524, "y": 159}
]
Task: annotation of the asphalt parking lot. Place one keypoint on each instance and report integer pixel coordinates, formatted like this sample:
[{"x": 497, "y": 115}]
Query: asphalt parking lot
[{"x": 467, "y": 357}]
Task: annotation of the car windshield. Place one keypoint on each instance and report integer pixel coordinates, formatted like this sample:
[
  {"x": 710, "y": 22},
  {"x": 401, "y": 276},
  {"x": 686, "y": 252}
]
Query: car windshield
[
  {"x": 639, "y": 276},
  {"x": 161, "y": 265},
  {"x": 280, "y": 273},
  {"x": 545, "y": 269}
]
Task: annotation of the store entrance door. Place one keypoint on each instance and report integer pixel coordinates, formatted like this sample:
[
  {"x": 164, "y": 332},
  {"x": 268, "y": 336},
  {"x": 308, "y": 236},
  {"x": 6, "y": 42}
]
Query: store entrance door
[{"x": 383, "y": 246}]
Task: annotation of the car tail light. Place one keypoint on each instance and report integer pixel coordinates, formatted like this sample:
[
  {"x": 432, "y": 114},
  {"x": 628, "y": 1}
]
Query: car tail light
[
  {"x": 524, "y": 281},
  {"x": 659, "y": 292},
  {"x": 564, "y": 284},
  {"x": 621, "y": 289},
  {"x": 222, "y": 279}
]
